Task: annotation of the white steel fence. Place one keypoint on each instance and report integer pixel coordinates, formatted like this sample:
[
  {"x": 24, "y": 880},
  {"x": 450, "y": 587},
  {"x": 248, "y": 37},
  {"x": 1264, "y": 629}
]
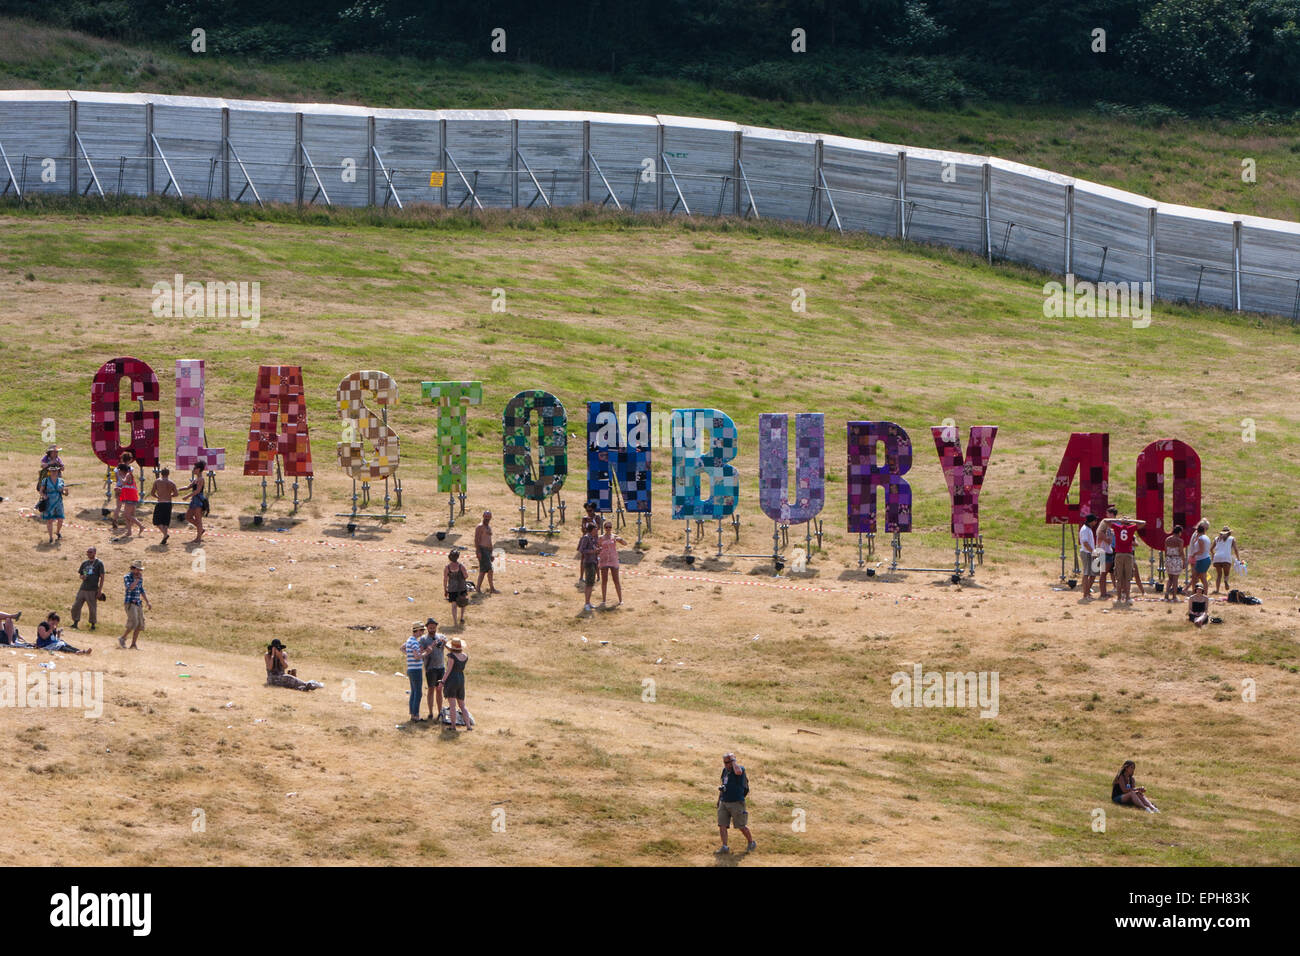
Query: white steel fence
[{"x": 86, "y": 143}]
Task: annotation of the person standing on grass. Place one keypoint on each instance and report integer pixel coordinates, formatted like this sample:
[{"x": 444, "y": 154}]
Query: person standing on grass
[
  {"x": 455, "y": 586},
  {"x": 1087, "y": 545},
  {"x": 120, "y": 475},
  {"x": 483, "y": 547},
  {"x": 435, "y": 664},
  {"x": 1175, "y": 561},
  {"x": 128, "y": 497},
  {"x": 453, "y": 682},
  {"x": 1224, "y": 551},
  {"x": 414, "y": 670},
  {"x": 589, "y": 554},
  {"x": 1124, "y": 532},
  {"x": 163, "y": 491},
  {"x": 608, "y": 562},
  {"x": 136, "y": 602},
  {"x": 590, "y": 515},
  {"x": 52, "y": 492},
  {"x": 48, "y": 460},
  {"x": 731, "y": 802},
  {"x": 1124, "y": 790},
  {"x": 196, "y": 492},
  {"x": 1200, "y": 556},
  {"x": 91, "y": 591},
  {"x": 1106, "y": 542}
]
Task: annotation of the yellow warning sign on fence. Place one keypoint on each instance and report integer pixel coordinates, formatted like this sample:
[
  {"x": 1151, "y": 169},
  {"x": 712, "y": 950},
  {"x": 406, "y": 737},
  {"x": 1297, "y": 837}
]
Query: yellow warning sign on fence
[{"x": 436, "y": 178}]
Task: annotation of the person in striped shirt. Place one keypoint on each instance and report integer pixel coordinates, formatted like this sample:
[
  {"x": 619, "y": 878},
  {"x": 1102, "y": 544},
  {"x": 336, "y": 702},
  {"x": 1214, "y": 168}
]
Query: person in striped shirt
[{"x": 415, "y": 669}]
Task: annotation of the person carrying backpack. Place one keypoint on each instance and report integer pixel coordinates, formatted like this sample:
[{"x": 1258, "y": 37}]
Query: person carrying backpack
[{"x": 731, "y": 802}]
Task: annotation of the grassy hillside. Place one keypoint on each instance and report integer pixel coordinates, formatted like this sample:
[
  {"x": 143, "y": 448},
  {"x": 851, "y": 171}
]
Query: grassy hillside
[{"x": 1196, "y": 162}]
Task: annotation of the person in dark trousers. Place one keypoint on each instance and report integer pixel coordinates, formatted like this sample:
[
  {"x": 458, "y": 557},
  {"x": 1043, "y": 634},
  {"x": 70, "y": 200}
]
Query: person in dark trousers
[
  {"x": 731, "y": 802},
  {"x": 91, "y": 591},
  {"x": 415, "y": 670}
]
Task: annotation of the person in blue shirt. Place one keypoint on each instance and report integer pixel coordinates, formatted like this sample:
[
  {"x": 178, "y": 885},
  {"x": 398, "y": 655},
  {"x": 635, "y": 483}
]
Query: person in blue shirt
[
  {"x": 52, "y": 492},
  {"x": 731, "y": 802}
]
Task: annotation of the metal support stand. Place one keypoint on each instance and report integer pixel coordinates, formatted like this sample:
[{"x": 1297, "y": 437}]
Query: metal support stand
[
  {"x": 690, "y": 558},
  {"x": 364, "y": 496},
  {"x": 777, "y": 563},
  {"x": 735, "y": 525}
]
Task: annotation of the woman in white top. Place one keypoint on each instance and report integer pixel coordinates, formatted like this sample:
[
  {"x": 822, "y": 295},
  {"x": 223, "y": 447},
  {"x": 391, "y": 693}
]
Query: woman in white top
[{"x": 1225, "y": 550}]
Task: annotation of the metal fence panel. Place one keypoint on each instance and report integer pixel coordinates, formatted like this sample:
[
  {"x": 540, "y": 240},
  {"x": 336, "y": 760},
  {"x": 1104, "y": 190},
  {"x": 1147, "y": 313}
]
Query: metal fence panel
[
  {"x": 1269, "y": 282},
  {"x": 410, "y": 146},
  {"x": 863, "y": 179},
  {"x": 188, "y": 130},
  {"x": 1027, "y": 216},
  {"x": 1194, "y": 260},
  {"x": 772, "y": 160},
  {"x": 551, "y": 145},
  {"x": 334, "y": 139},
  {"x": 948, "y": 213},
  {"x": 620, "y": 147},
  {"x": 34, "y": 127},
  {"x": 264, "y": 135},
  {"x": 701, "y": 154},
  {"x": 479, "y": 141},
  {"x": 1110, "y": 235},
  {"x": 112, "y": 131}
]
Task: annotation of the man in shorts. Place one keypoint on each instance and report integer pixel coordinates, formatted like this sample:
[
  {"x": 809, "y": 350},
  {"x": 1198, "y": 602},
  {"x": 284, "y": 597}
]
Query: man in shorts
[
  {"x": 435, "y": 663},
  {"x": 1124, "y": 530},
  {"x": 136, "y": 602},
  {"x": 163, "y": 492},
  {"x": 731, "y": 802},
  {"x": 483, "y": 547}
]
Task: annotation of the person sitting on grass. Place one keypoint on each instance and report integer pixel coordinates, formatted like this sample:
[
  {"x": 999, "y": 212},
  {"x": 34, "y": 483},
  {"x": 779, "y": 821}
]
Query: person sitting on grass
[
  {"x": 1124, "y": 790},
  {"x": 49, "y": 637},
  {"x": 9, "y": 630},
  {"x": 1198, "y": 606},
  {"x": 278, "y": 673}
]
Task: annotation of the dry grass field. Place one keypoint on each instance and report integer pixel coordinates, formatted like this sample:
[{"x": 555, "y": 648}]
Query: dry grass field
[{"x": 793, "y": 672}]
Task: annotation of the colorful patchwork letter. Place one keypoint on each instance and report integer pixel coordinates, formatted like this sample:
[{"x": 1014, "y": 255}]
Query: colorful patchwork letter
[
  {"x": 965, "y": 476},
  {"x": 704, "y": 440},
  {"x": 810, "y": 467},
  {"x": 191, "y": 438},
  {"x": 279, "y": 424},
  {"x": 619, "y": 455},
  {"x": 362, "y": 427},
  {"x": 106, "y": 421},
  {"x": 1151, "y": 491},
  {"x": 453, "y": 400},
  {"x": 1088, "y": 455},
  {"x": 535, "y": 482},
  {"x": 865, "y": 476}
]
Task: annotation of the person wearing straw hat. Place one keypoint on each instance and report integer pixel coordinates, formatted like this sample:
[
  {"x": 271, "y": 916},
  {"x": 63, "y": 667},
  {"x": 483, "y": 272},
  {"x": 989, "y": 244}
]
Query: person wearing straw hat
[
  {"x": 415, "y": 669},
  {"x": 731, "y": 802},
  {"x": 51, "y": 457},
  {"x": 136, "y": 602},
  {"x": 453, "y": 683},
  {"x": 1224, "y": 550},
  {"x": 52, "y": 492}
]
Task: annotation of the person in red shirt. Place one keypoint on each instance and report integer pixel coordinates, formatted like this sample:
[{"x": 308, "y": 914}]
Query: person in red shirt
[{"x": 1125, "y": 531}]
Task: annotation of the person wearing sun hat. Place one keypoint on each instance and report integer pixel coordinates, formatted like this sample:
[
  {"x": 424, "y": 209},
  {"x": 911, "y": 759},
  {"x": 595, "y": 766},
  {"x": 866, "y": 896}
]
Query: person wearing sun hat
[
  {"x": 453, "y": 683},
  {"x": 415, "y": 669},
  {"x": 1224, "y": 551},
  {"x": 136, "y": 602},
  {"x": 52, "y": 492},
  {"x": 50, "y": 458}
]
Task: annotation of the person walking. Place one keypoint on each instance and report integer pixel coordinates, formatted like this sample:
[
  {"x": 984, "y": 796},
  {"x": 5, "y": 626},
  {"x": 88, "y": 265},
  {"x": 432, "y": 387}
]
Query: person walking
[
  {"x": 731, "y": 802},
  {"x": 453, "y": 683},
  {"x": 1087, "y": 545},
  {"x": 589, "y": 554},
  {"x": 414, "y": 670},
  {"x": 91, "y": 591},
  {"x": 52, "y": 492},
  {"x": 128, "y": 497},
  {"x": 1124, "y": 790},
  {"x": 1124, "y": 531},
  {"x": 1200, "y": 554},
  {"x": 196, "y": 492},
  {"x": 483, "y": 548},
  {"x": 136, "y": 601},
  {"x": 455, "y": 586},
  {"x": 435, "y": 664},
  {"x": 1224, "y": 551},
  {"x": 163, "y": 491},
  {"x": 120, "y": 474},
  {"x": 608, "y": 562},
  {"x": 1175, "y": 561}
]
